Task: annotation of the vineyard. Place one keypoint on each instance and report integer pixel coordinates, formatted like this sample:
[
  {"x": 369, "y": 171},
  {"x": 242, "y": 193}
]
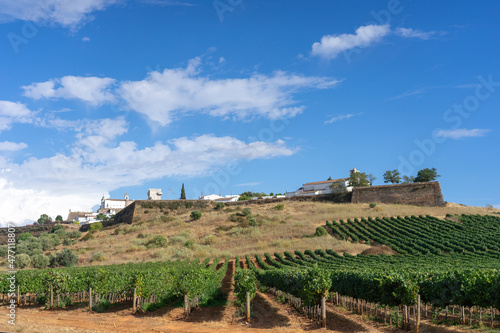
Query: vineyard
[
  {"x": 443, "y": 263},
  {"x": 446, "y": 269}
]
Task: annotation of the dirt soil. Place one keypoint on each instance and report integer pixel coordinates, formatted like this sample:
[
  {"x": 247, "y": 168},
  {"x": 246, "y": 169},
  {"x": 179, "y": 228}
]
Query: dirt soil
[{"x": 376, "y": 250}]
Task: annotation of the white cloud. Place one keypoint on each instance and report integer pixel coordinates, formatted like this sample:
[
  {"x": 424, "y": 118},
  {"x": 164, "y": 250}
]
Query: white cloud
[
  {"x": 162, "y": 97},
  {"x": 86, "y": 39},
  {"x": 332, "y": 45},
  {"x": 67, "y": 13},
  {"x": 77, "y": 180},
  {"x": 414, "y": 33},
  {"x": 12, "y": 146},
  {"x": 13, "y": 112},
  {"x": 249, "y": 184},
  {"x": 461, "y": 133},
  {"x": 341, "y": 117},
  {"x": 93, "y": 90}
]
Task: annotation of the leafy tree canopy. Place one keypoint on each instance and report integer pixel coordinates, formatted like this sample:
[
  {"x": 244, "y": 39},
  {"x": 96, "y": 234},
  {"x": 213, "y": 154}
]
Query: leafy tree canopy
[
  {"x": 426, "y": 175},
  {"x": 44, "y": 218},
  {"x": 358, "y": 179},
  {"x": 393, "y": 177}
]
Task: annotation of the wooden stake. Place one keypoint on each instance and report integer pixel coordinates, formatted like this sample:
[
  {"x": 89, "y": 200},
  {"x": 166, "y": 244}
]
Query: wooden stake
[
  {"x": 417, "y": 326},
  {"x": 248, "y": 307},
  {"x": 186, "y": 305},
  {"x": 462, "y": 314},
  {"x": 134, "y": 302},
  {"x": 90, "y": 299},
  {"x": 51, "y": 297},
  {"x": 18, "y": 296},
  {"x": 323, "y": 312}
]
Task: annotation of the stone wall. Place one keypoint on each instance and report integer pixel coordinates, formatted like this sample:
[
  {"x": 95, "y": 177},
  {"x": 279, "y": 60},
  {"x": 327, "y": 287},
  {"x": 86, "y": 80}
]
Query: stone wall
[{"x": 418, "y": 194}]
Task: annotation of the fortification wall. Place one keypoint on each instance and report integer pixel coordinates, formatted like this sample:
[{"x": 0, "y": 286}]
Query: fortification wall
[{"x": 418, "y": 194}]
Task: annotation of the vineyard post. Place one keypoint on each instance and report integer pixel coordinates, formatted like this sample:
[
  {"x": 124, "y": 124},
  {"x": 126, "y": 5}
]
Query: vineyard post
[
  {"x": 51, "y": 296},
  {"x": 492, "y": 312},
  {"x": 417, "y": 326},
  {"x": 462, "y": 314},
  {"x": 186, "y": 305},
  {"x": 134, "y": 301},
  {"x": 90, "y": 299},
  {"x": 403, "y": 323},
  {"x": 248, "y": 307},
  {"x": 470, "y": 315},
  {"x": 18, "y": 296},
  {"x": 480, "y": 315},
  {"x": 323, "y": 312}
]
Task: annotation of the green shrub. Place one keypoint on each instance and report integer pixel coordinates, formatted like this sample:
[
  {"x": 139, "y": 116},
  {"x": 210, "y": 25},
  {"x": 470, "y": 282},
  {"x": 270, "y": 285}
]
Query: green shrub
[
  {"x": 52, "y": 260},
  {"x": 164, "y": 218},
  {"x": 253, "y": 221},
  {"x": 96, "y": 226},
  {"x": 74, "y": 234},
  {"x": 320, "y": 232},
  {"x": 40, "y": 261},
  {"x": 246, "y": 211},
  {"x": 101, "y": 306},
  {"x": 87, "y": 237},
  {"x": 195, "y": 215},
  {"x": 56, "y": 228},
  {"x": 189, "y": 244},
  {"x": 4, "y": 251},
  {"x": 66, "y": 258},
  {"x": 373, "y": 205},
  {"x": 219, "y": 206},
  {"x": 22, "y": 260},
  {"x": 24, "y": 236},
  {"x": 98, "y": 256},
  {"x": 279, "y": 207},
  {"x": 156, "y": 241},
  {"x": 67, "y": 241}
]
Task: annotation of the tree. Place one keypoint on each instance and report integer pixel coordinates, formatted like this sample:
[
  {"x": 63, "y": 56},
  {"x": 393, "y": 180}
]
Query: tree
[
  {"x": 102, "y": 217},
  {"x": 183, "y": 192},
  {"x": 40, "y": 261},
  {"x": 358, "y": 179},
  {"x": 338, "y": 187},
  {"x": 44, "y": 218},
  {"x": 22, "y": 260},
  {"x": 408, "y": 179},
  {"x": 66, "y": 258},
  {"x": 393, "y": 177},
  {"x": 24, "y": 236},
  {"x": 371, "y": 178},
  {"x": 59, "y": 218},
  {"x": 426, "y": 175}
]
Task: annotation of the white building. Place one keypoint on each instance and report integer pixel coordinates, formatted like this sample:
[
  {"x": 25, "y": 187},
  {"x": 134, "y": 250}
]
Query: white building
[
  {"x": 154, "y": 194},
  {"x": 114, "y": 204},
  {"x": 220, "y": 198},
  {"x": 321, "y": 187}
]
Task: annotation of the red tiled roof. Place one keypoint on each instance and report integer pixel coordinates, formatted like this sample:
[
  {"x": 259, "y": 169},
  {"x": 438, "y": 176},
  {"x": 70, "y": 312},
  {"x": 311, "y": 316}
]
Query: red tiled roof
[{"x": 325, "y": 181}]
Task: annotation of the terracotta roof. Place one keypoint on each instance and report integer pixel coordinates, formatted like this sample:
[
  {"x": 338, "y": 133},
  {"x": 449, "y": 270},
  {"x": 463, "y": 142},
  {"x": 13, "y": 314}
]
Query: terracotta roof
[
  {"x": 73, "y": 215},
  {"x": 325, "y": 181}
]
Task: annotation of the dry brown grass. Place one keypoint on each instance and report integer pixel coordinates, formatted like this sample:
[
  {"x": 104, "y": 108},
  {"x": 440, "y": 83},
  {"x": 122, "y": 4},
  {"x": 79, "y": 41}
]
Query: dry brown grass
[{"x": 215, "y": 235}]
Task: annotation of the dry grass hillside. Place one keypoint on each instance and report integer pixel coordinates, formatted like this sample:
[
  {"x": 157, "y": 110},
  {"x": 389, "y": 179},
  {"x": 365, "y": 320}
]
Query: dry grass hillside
[{"x": 236, "y": 231}]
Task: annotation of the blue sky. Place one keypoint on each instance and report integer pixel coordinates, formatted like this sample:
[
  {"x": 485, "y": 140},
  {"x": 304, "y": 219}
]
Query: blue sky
[{"x": 108, "y": 96}]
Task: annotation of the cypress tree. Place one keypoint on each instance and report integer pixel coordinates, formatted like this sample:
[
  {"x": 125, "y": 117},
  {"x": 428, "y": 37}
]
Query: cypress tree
[{"x": 183, "y": 192}]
